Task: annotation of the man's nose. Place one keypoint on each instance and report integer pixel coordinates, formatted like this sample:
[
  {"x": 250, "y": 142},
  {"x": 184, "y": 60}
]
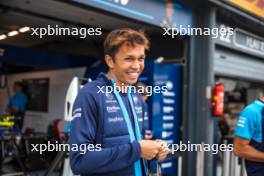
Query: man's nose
[{"x": 136, "y": 64}]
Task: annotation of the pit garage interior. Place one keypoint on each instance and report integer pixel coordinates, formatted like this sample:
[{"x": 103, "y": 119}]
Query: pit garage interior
[
  {"x": 60, "y": 58},
  {"x": 16, "y": 14}
]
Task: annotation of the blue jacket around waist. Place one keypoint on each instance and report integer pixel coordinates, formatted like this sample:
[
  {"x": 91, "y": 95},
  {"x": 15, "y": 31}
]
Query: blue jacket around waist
[{"x": 98, "y": 120}]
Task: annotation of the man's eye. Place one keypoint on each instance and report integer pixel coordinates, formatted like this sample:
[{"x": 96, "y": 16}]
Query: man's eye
[
  {"x": 141, "y": 59},
  {"x": 128, "y": 59}
]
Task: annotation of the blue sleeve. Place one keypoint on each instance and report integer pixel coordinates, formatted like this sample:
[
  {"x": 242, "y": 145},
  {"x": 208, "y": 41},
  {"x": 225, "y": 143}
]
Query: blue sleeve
[
  {"x": 22, "y": 102},
  {"x": 83, "y": 131},
  {"x": 19, "y": 101},
  {"x": 13, "y": 103},
  {"x": 245, "y": 124}
]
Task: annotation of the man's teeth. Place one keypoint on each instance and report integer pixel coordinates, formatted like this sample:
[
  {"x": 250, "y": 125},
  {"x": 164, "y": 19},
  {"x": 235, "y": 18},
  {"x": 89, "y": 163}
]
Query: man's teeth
[{"x": 133, "y": 74}]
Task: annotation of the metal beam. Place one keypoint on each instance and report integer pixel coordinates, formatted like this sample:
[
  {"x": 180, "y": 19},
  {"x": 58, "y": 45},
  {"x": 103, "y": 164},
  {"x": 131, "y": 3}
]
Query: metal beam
[{"x": 199, "y": 125}]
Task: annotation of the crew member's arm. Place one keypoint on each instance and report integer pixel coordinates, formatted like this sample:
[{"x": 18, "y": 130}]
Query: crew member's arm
[
  {"x": 12, "y": 110},
  {"x": 83, "y": 131},
  {"x": 244, "y": 150},
  {"x": 244, "y": 133},
  {"x": 14, "y": 104}
]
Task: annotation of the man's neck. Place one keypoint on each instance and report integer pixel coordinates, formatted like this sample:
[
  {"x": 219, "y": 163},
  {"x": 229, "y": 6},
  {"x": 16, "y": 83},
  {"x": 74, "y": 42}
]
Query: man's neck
[
  {"x": 118, "y": 83},
  {"x": 261, "y": 98}
]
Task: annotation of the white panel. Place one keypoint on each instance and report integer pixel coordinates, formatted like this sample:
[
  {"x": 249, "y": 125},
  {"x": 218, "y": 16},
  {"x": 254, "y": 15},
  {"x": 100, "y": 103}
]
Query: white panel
[
  {"x": 59, "y": 81},
  {"x": 3, "y": 100},
  {"x": 228, "y": 63}
]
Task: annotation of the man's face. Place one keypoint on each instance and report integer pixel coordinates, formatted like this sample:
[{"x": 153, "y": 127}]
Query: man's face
[
  {"x": 128, "y": 63},
  {"x": 17, "y": 88}
]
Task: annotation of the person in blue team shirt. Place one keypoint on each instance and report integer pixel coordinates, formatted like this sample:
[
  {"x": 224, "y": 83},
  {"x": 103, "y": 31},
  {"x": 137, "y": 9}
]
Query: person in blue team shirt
[
  {"x": 249, "y": 137},
  {"x": 17, "y": 104},
  {"x": 111, "y": 118}
]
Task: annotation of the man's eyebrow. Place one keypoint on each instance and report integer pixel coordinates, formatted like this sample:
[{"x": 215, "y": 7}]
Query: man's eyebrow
[
  {"x": 133, "y": 56},
  {"x": 129, "y": 56},
  {"x": 140, "y": 56}
]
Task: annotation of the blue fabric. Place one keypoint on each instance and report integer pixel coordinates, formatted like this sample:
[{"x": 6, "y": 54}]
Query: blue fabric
[
  {"x": 124, "y": 97},
  {"x": 95, "y": 111},
  {"x": 145, "y": 125},
  {"x": 19, "y": 101},
  {"x": 131, "y": 103},
  {"x": 146, "y": 118},
  {"x": 134, "y": 135},
  {"x": 250, "y": 126}
]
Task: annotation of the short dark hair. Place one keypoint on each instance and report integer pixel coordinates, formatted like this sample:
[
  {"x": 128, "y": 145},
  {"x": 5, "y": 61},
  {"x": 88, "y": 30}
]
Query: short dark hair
[
  {"x": 126, "y": 36},
  {"x": 20, "y": 84}
]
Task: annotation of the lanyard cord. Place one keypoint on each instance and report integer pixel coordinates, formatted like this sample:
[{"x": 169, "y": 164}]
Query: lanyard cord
[
  {"x": 125, "y": 114},
  {"x": 137, "y": 165},
  {"x": 138, "y": 134}
]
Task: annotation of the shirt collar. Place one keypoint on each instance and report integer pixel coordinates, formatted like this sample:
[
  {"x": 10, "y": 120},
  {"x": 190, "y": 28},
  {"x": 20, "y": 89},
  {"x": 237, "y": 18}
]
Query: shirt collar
[{"x": 260, "y": 102}]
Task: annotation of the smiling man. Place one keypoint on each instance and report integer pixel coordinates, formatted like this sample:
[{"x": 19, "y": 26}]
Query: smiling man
[{"x": 114, "y": 119}]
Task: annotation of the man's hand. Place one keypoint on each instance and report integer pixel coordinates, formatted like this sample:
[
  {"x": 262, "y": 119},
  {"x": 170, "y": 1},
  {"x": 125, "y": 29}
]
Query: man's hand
[
  {"x": 149, "y": 149},
  {"x": 163, "y": 150},
  {"x": 12, "y": 110}
]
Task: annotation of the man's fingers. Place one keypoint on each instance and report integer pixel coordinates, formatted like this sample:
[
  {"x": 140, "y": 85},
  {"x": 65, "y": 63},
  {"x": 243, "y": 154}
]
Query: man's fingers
[
  {"x": 162, "y": 156},
  {"x": 163, "y": 144}
]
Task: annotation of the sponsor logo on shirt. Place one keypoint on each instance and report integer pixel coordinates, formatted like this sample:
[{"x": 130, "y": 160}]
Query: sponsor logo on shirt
[
  {"x": 241, "y": 122},
  {"x": 112, "y": 109},
  {"x": 115, "y": 119},
  {"x": 111, "y": 101},
  {"x": 135, "y": 99},
  {"x": 77, "y": 113},
  {"x": 146, "y": 116},
  {"x": 140, "y": 119},
  {"x": 109, "y": 96},
  {"x": 138, "y": 109}
]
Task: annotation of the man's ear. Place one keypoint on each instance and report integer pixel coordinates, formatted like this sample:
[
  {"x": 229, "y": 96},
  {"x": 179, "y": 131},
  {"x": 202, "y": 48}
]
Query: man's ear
[{"x": 109, "y": 61}]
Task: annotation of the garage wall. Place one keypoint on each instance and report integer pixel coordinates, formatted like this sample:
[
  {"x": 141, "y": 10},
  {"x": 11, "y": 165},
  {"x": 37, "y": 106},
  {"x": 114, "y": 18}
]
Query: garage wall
[
  {"x": 228, "y": 63},
  {"x": 58, "y": 84}
]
